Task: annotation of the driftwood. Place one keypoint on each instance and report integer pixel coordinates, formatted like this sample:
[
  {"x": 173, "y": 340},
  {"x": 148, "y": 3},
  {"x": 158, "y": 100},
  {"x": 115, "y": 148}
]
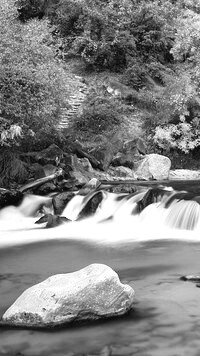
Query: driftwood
[
  {"x": 151, "y": 182},
  {"x": 41, "y": 181},
  {"x": 182, "y": 184}
]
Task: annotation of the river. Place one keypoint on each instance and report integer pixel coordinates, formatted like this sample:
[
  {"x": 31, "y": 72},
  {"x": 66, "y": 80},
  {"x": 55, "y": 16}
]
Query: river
[{"x": 165, "y": 319}]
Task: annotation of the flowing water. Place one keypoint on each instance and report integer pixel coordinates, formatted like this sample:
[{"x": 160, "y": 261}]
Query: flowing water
[{"x": 150, "y": 248}]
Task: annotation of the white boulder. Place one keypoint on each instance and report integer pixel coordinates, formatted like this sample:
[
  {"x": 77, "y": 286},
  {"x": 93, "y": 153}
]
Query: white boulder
[
  {"x": 153, "y": 166},
  {"x": 91, "y": 293}
]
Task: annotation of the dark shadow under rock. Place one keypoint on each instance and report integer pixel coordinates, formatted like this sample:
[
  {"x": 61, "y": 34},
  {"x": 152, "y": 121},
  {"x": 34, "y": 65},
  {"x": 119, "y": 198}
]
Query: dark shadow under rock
[{"x": 10, "y": 197}]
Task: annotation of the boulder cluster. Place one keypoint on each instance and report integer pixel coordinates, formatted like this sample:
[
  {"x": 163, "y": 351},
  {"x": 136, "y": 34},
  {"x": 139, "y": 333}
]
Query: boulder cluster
[{"x": 74, "y": 166}]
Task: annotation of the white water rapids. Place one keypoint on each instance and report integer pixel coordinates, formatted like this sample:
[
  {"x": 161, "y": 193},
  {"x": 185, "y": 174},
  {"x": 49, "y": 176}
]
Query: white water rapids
[{"x": 179, "y": 221}]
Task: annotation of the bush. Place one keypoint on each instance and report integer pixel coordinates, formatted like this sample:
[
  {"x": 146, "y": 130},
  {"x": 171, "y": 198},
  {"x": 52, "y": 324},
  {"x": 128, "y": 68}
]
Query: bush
[
  {"x": 183, "y": 137},
  {"x": 31, "y": 80},
  {"x": 113, "y": 33},
  {"x": 100, "y": 114}
]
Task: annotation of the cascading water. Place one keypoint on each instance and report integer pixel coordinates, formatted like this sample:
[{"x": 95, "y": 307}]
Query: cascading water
[
  {"x": 162, "y": 216},
  {"x": 147, "y": 237}
]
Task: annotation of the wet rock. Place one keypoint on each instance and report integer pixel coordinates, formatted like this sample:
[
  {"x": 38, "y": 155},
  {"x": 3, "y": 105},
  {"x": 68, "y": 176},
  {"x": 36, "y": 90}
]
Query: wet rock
[
  {"x": 36, "y": 171},
  {"x": 82, "y": 170},
  {"x": 82, "y": 152},
  {"x": 61, "y": 200},
  {"x": 49, "y": 169},
  {"x": 52, "y": 220},
  {"x": 122, "y": 188},
  {"x": 91, "y": 293},
  {"x": 153, "y": 195},
  {"x": 93, "y": 184},
  {"x": 125, "y": 172},
  {"x": 50, "y": 155},
  {"x": 13, "y": 170},
  {"x": 10, "y": 197},
  {"x": 131, "y": 151},
  {"x": 92, "y": 203},
  {"x": 122, "y": 159},
  {"x": 153, "y": 166},
  {"x": 45, "y": 188},
  {"x": 104, "y": 155},
  {"x": 182, "y": 195}
]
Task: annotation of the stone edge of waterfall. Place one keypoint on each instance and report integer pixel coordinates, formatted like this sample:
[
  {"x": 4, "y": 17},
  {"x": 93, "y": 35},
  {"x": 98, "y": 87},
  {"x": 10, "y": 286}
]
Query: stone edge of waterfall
[{"x": 92, "y": 293}]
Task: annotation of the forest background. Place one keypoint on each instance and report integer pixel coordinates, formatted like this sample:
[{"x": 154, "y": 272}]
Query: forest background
[{"x": 139, "y": 60}]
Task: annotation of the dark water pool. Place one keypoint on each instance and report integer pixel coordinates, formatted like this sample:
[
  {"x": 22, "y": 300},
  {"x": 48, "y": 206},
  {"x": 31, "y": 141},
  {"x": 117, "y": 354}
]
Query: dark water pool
[{"x": 164, "y": 321}]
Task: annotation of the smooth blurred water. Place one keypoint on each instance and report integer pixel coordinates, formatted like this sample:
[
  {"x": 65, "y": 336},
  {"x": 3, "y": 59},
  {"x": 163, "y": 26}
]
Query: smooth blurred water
[{"x": 151, "y": 258}]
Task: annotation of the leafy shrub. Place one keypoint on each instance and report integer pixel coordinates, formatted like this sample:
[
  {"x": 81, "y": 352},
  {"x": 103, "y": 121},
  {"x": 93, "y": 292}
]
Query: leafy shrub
[
  {"x": 174, "y": 100},
  {"x": 113, "y": 33},
  {"x": 31, "y": 86},
  {"x": 100, "y": 114},
  {"x": 184, "y": 136}
]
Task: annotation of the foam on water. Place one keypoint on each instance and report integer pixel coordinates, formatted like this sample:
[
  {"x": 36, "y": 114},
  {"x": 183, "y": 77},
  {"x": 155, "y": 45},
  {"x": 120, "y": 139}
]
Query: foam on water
[{"x": 180, "y": 221}]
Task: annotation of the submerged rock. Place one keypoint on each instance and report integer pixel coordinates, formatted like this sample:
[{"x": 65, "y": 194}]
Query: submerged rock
[
  {"x": 92, "y": 203},
  {"x": 52, "y": 220},
  {"x": 91, "y": 293},
  {"x": 61, "y": 200}
]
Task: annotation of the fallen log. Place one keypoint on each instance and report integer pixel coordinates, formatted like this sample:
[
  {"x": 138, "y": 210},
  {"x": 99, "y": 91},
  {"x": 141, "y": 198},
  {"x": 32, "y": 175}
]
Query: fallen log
[
  {"x": 192, "y": 185},
  {"x": 41, "y": 181}
]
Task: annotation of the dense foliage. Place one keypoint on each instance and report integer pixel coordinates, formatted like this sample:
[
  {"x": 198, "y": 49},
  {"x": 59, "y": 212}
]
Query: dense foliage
[
  {"x": 152, "y": 45},
  {"x": 31, "y": 88}
]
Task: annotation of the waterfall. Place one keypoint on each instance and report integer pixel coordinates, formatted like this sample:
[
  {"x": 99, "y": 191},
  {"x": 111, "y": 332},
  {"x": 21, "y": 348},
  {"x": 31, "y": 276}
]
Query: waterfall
[{"x": 148, "y": 214}]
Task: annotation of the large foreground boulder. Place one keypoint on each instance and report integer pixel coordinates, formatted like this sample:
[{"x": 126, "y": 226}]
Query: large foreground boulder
[
  {"x": 153, "y": 166},
  {"x": 91, "y": 293}
]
